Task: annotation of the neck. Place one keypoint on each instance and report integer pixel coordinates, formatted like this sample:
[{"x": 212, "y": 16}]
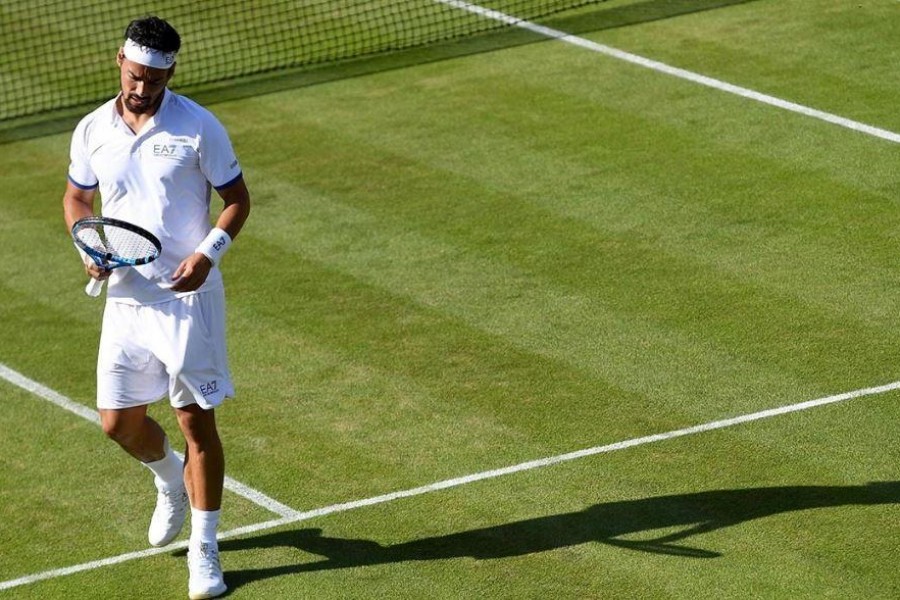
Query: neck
[{"x": 136, "y": 121}]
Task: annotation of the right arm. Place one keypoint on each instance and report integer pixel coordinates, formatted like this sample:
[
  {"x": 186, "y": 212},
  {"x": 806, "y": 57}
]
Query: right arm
[{"x": 79, "y": 203}]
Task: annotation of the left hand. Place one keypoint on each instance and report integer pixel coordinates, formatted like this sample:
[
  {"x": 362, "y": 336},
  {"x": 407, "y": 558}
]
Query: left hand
[{"x": 191, "y": 273}]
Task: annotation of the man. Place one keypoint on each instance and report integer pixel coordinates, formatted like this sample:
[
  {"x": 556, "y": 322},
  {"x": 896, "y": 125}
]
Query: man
[{"x": 154, "y": 156}]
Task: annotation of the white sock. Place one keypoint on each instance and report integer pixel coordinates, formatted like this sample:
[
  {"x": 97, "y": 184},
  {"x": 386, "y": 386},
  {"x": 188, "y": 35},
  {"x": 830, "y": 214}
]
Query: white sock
[
  {"x": 204, "y": 524},
  {"x": 168, "y": 471}
]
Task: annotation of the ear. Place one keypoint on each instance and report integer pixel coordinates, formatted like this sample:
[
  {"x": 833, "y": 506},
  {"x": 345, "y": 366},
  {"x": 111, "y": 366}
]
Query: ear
[{"x": 120, "y": 57}]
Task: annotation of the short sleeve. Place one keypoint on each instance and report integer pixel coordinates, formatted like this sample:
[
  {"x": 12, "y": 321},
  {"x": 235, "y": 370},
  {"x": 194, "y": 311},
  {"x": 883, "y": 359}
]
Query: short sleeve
[
  {"x": 218, "y": 162},
  {"x": 80, "y": 173}
]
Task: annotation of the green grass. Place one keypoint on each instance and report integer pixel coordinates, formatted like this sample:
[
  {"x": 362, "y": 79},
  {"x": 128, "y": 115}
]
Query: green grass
[{"x": 471, "y": 263}]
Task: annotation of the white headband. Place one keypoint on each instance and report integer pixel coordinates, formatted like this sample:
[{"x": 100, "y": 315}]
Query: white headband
[{"x": 149, "y": 57}]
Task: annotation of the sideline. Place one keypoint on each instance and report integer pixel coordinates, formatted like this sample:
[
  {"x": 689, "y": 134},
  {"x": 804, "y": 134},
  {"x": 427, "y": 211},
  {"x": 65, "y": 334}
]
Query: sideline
[
  {"x": 674, "y": 71},
  {"x": 54, "y": 397}
]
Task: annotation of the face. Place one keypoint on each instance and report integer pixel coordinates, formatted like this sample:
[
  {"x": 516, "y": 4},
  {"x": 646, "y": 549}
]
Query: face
[{"x": 142, "y": 87}]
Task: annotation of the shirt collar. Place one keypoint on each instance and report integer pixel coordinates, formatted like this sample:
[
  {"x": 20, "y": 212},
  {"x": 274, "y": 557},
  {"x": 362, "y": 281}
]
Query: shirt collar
[{"x": 115, "y": 117}]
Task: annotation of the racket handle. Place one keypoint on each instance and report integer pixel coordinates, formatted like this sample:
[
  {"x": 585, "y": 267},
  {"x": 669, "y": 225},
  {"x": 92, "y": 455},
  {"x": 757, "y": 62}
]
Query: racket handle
[{"x": 94, "y": 287}]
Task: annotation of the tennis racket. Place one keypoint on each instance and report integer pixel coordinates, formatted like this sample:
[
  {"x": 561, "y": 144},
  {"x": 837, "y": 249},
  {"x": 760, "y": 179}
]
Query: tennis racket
[{"x": 112, "y": 243}]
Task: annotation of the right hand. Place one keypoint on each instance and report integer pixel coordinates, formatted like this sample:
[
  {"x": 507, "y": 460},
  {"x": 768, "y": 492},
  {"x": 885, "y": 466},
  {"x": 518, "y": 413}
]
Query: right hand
[{"x": 94, "y": 270}]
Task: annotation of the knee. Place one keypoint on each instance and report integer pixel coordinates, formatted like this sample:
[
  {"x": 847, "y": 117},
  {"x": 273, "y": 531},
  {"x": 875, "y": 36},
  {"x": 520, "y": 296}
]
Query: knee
[
  {"x": 119, "y": 430},
  {"x": 198, "y": 427}
]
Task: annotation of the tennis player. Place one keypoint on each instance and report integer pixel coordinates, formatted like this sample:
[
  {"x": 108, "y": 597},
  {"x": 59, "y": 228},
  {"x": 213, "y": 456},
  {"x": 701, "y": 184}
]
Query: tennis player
[{"x": 154, "y": 156}]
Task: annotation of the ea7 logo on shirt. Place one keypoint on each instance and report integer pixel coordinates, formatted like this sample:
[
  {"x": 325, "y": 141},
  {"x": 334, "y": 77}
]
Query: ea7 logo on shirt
[
  {"x": 164, "y": 150},
  {"x": 209, "y": 388}
]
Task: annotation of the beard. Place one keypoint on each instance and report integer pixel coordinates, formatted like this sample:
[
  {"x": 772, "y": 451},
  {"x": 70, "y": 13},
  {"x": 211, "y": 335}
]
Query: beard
[{"x": 137, "y": 105}]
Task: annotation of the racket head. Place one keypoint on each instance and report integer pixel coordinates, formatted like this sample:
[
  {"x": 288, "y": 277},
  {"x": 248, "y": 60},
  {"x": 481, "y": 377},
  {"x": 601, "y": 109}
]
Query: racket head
[{"x": 114, "y": 242}]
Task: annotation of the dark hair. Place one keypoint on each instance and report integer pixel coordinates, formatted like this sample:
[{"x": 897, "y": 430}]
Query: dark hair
[{"x": 155, "y": 33}]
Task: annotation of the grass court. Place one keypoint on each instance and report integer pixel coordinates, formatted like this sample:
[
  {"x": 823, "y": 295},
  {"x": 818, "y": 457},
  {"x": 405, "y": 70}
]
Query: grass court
[{"x": 498, "y": 251}]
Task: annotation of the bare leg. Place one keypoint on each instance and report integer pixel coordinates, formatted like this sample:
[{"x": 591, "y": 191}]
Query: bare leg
[
  {"x": 204, "y": 476},
  {"x": 204, "y": 467},
  {"x": 131, "y": 428}
]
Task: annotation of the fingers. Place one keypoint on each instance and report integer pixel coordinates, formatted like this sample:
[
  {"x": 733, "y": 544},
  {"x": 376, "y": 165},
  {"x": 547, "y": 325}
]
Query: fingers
[
  {"x": 179, "y": 272},
  {"x": 183, "y": 278},
  {"x": 97, "y": 271},
  {"x": 191, "y": 273}
]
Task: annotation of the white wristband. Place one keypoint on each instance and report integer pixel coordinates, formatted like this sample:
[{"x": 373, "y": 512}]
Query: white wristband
[{"x": 215, "y": 245}]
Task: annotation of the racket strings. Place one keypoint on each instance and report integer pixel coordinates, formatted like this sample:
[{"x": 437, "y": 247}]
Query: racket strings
[{"x": 116, "y": 242}]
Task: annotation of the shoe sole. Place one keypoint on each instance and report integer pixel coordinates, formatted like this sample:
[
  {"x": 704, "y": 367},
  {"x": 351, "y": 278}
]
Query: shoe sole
[{"x": 207, "y": 595}]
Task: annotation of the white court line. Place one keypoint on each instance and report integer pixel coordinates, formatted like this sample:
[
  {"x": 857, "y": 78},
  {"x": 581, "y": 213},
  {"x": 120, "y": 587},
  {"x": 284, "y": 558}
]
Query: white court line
[
  {"x": 42, "y": 391},
  {"x": 296, "y": 517},
  {"x": 674, "y": 71}
]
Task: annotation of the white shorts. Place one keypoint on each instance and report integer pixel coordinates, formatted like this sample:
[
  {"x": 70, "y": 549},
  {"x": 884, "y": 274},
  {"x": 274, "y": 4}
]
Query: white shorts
[{"x": 175, "y": 348}]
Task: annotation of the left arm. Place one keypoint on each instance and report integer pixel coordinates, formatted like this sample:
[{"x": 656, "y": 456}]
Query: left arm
[{"x": 194, "y": 269}]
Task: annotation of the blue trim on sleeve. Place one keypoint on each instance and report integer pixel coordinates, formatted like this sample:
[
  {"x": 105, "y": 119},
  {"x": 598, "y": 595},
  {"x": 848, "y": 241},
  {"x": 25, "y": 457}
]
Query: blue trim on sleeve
[
  {"x": 81, "y": 186},
  {"x": 230, "y": 183}
]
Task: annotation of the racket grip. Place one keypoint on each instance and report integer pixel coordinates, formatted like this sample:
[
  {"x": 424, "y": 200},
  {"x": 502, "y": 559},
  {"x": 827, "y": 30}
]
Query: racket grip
[{"x": 94, "y": 287}]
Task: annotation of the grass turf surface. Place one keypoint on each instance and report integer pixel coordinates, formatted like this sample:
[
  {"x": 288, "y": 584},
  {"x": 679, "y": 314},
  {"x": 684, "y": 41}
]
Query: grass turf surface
[{"x": 471, "y": 263}]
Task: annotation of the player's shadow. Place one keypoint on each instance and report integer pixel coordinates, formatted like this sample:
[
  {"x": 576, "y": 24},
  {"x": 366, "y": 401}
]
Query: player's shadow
[{"x": 606, "y": 523}]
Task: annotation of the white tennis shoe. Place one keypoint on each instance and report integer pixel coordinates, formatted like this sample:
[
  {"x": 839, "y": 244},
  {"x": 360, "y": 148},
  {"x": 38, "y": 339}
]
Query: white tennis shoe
[
  {"x": 168, "y": 518},
  {"x": 205, "y": 580}
]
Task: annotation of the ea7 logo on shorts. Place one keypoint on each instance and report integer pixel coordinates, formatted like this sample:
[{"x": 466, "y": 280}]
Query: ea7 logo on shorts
[{"x": 210, "y": 388}]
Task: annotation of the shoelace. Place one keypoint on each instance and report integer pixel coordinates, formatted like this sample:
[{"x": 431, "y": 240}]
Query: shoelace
[
  {"x": 174, "y": 498},
  {"x": 206, "y": 559}
]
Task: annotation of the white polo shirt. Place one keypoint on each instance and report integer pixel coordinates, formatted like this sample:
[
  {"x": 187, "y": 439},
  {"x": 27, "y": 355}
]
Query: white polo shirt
[{"x": 160, "y": 179}]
